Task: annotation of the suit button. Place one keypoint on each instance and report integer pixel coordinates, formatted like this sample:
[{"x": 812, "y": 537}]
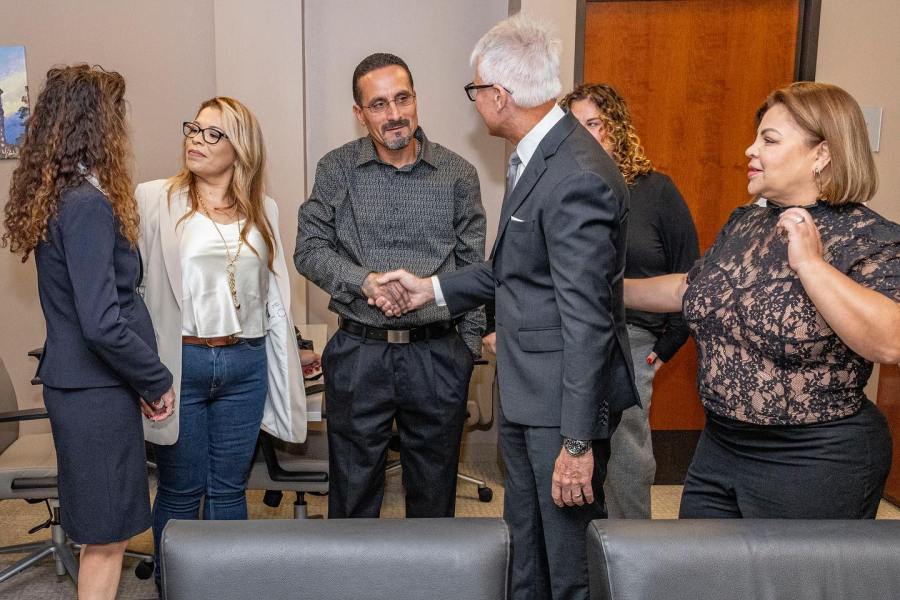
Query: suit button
[{"x": 499, "y": 283}]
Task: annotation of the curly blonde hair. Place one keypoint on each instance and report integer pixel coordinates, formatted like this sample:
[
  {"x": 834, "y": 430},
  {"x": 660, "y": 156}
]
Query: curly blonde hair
[
  {"x": 78, "y": 123},
  {"x": 247, "y": 188},
  {"x": 627, "y": 150}
]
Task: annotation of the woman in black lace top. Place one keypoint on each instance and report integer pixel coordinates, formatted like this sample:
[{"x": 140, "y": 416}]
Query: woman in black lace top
[{"x": 795, "y": 300}]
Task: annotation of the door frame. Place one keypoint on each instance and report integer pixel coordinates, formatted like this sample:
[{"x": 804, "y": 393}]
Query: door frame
[{"x": 807, "y": 38}]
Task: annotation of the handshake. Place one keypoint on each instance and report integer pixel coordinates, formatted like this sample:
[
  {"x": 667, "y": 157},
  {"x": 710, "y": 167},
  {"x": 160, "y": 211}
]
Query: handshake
[{"x": 397, "y": 292}]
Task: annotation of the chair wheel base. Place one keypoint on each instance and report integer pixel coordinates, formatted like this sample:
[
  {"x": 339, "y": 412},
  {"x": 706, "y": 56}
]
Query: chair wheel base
[{"x": 144, "y": 569}]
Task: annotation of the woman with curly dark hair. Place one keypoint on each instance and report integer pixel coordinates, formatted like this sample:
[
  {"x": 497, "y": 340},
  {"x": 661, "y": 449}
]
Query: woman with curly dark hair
[
  {"x": 70, "y": 202},
  {"x": 661, "y": 239}
]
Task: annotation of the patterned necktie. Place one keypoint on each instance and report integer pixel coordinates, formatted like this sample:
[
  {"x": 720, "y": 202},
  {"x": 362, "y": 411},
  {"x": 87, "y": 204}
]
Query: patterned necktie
[{"x": 514, "y": 163}]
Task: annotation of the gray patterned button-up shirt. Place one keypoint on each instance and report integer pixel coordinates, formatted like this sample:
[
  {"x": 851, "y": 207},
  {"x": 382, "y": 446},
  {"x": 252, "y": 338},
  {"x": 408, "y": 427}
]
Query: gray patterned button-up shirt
[{"x": 365, "y": 215}]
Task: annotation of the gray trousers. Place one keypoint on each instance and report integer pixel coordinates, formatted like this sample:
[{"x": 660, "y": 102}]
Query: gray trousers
[{"x": 631, "y": 466}]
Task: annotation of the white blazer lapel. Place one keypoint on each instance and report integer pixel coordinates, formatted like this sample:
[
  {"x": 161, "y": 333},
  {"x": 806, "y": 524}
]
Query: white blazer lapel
[{"x": 170, "y": 239}]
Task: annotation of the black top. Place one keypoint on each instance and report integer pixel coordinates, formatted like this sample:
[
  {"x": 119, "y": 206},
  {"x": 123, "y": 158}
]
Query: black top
[
  {"x": 99, "y": 332},
  {"x": 662, "y": 239},
  {"x": 765, "y": 354}
]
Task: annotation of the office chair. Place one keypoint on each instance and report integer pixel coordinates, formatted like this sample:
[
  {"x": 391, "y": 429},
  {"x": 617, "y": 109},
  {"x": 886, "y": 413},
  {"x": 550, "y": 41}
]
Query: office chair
[
  {"x": 280, "y": 466},
  {"x": 28, "y": 472}
]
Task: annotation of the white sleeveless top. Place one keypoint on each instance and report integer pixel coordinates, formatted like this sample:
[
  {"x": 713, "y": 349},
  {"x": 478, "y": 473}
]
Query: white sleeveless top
[{"x": 208, "y": 307}]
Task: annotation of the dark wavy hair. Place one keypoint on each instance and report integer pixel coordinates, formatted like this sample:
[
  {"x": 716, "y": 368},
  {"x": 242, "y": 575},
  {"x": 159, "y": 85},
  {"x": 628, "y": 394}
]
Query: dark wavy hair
[
  {"x": 627, "y": 150},
  {"x": 78, "y": 123}
]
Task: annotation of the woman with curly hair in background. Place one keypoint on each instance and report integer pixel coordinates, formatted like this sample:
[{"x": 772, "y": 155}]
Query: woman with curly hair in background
[
  {"x": 661, "y": 239},
  {"x": 71, "y": 203}
]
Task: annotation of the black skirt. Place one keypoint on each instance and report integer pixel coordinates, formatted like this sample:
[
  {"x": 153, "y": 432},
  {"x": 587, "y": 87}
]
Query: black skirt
[{"x": 104, "y": 496}]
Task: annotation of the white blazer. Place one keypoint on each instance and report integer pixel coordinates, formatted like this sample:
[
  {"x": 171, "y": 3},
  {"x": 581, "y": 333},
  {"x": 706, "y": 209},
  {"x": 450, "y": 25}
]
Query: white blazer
[{"x": 284, "y": 415}]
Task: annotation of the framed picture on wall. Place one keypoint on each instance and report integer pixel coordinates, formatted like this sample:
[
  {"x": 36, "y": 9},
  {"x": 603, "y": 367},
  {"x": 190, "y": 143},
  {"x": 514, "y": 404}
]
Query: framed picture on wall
[{"x": 14, "y": 107}]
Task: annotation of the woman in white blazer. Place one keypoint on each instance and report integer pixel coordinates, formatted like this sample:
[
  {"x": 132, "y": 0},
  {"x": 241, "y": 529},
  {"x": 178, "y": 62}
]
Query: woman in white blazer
[{"x": 216, "y": 285}]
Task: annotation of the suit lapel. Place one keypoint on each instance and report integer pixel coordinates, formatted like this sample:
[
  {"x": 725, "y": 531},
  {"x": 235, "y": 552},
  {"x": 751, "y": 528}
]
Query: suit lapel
[
  {"x": 533, "y": 172},
  {"x": 170, "y": 240}
]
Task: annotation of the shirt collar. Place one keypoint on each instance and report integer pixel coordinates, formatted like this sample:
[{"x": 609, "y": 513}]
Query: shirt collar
[
  {"x": 425, "y": 153},
  {"x": 528, "y": 145}
]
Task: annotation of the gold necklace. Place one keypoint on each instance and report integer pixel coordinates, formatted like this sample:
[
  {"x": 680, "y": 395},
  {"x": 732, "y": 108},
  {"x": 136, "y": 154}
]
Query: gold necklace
[{"x": 229, "y": 259}]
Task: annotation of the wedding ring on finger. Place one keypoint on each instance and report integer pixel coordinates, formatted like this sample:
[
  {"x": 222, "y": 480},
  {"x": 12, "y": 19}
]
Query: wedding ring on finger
[{"x": 799, "y": 219}]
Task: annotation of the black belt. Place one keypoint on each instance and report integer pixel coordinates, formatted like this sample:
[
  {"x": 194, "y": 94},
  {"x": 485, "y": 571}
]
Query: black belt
[{"x": 398, "y": 336}]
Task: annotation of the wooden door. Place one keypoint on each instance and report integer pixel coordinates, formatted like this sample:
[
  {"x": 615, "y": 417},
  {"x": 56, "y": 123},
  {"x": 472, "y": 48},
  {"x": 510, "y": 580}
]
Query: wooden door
[
  {"x": 889, "y": 403},
  {"x": 693, "y": 73}
]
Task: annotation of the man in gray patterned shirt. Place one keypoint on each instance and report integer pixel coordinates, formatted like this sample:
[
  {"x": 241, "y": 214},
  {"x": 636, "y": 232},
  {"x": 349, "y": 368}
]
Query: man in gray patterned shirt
[{"x": 392, "y": 199}]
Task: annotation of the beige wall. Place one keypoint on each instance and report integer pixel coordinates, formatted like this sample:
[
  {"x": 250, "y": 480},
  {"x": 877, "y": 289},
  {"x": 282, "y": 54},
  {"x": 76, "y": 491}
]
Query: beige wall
[
  {"x": 169, "y": 68},
  {"x": 859, "y": 50},
  {"x": 267, "y": 75}
]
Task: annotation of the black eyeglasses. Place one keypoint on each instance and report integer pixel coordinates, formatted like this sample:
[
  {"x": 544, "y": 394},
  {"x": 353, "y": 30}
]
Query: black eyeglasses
[
  {"x": 402, "y": 99},
  {"x": 211, "y": 135},
  {"x": 472, "y": 89}
]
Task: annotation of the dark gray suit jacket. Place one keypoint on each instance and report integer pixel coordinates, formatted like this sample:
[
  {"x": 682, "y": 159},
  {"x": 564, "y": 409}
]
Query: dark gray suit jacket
[{"x": 556, "y": 274}]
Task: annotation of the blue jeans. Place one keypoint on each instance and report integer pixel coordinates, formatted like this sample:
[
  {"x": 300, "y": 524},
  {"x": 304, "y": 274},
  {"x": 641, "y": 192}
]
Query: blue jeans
[{"x": 223, "y": 391}]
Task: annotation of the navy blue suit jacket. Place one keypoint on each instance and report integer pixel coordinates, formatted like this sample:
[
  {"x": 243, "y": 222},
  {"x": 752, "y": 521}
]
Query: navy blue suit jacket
[
  {"x": 556, "y": 274},
  {"x": 99, "y": 332}
]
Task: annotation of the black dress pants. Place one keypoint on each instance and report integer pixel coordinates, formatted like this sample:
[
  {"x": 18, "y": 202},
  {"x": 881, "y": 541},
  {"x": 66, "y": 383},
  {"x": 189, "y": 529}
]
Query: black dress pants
[
  {"x": 833, "y": 470},
  {"x": 424, "y": 386}
]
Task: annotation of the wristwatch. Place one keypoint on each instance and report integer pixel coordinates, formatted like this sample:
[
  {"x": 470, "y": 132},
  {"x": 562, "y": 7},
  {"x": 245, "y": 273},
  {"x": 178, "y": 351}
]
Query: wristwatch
[{"x": 576, "y": 447}]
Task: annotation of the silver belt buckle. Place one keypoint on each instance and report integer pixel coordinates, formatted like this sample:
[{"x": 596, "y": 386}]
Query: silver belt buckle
[{"x": 398, "y": 336}]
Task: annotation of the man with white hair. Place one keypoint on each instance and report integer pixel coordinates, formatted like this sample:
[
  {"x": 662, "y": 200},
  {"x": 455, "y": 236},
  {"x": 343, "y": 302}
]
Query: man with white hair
[{"x": 556, "y": 275}]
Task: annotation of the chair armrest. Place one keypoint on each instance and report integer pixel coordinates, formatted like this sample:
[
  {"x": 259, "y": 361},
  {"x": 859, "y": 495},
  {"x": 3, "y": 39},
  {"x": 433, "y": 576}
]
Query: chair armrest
[
  {"x": 30, "y": 414},
  {"x": 314, "y": 389}
]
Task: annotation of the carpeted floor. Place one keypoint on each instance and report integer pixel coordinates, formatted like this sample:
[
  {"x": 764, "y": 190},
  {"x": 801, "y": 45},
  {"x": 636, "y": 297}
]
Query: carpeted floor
[{"x": 41, "y": 583}]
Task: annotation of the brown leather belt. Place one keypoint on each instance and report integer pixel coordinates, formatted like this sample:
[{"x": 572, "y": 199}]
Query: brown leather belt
[
  {"x": 213, "y": 342},
  {"x": 398, "y": 336}
]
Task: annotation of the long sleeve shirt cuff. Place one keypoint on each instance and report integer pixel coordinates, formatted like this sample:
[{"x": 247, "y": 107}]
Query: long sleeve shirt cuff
[{"x": 438, "y": 293}]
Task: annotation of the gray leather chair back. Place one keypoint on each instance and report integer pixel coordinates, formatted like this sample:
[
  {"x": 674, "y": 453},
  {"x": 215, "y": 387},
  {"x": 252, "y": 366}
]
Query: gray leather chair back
[
  {"x": 9, "y": 432},
  {"x": 743, "y": 559},
  {"x": 370, "y": 559}
]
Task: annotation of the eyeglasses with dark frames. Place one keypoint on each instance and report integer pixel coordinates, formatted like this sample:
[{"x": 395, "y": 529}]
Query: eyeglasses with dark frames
[
  {"x": 211, "y": 135},
  {"x": 401, "y": 99},
  {"x": 472, "y": 89}
]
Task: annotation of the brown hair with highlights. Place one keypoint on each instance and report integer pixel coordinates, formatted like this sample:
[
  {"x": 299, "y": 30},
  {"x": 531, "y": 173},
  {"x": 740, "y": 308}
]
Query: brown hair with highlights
[
  {"x": 247, "y": 187},
  {"x": 78, "y": 123},
  {"x": 627, "y": 150},
  {"x": 829, "y": 114}
]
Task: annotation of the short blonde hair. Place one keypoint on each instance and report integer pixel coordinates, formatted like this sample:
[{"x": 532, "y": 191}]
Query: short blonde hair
[{"x": 829, "y": 114}]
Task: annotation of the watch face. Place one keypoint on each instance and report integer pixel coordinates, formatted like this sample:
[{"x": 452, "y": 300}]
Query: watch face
[{"x": 577, "y": 447}]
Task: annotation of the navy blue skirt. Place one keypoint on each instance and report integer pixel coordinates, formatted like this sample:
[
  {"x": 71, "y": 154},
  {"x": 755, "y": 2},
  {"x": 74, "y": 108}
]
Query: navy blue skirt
[{"x": 104, "y": 496}]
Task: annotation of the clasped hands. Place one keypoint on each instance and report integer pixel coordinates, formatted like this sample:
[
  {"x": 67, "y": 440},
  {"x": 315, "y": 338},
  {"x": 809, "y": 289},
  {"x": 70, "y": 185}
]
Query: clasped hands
[
  {"x": 161, "y": 408},
  {"x": 397, "y": 292}
]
